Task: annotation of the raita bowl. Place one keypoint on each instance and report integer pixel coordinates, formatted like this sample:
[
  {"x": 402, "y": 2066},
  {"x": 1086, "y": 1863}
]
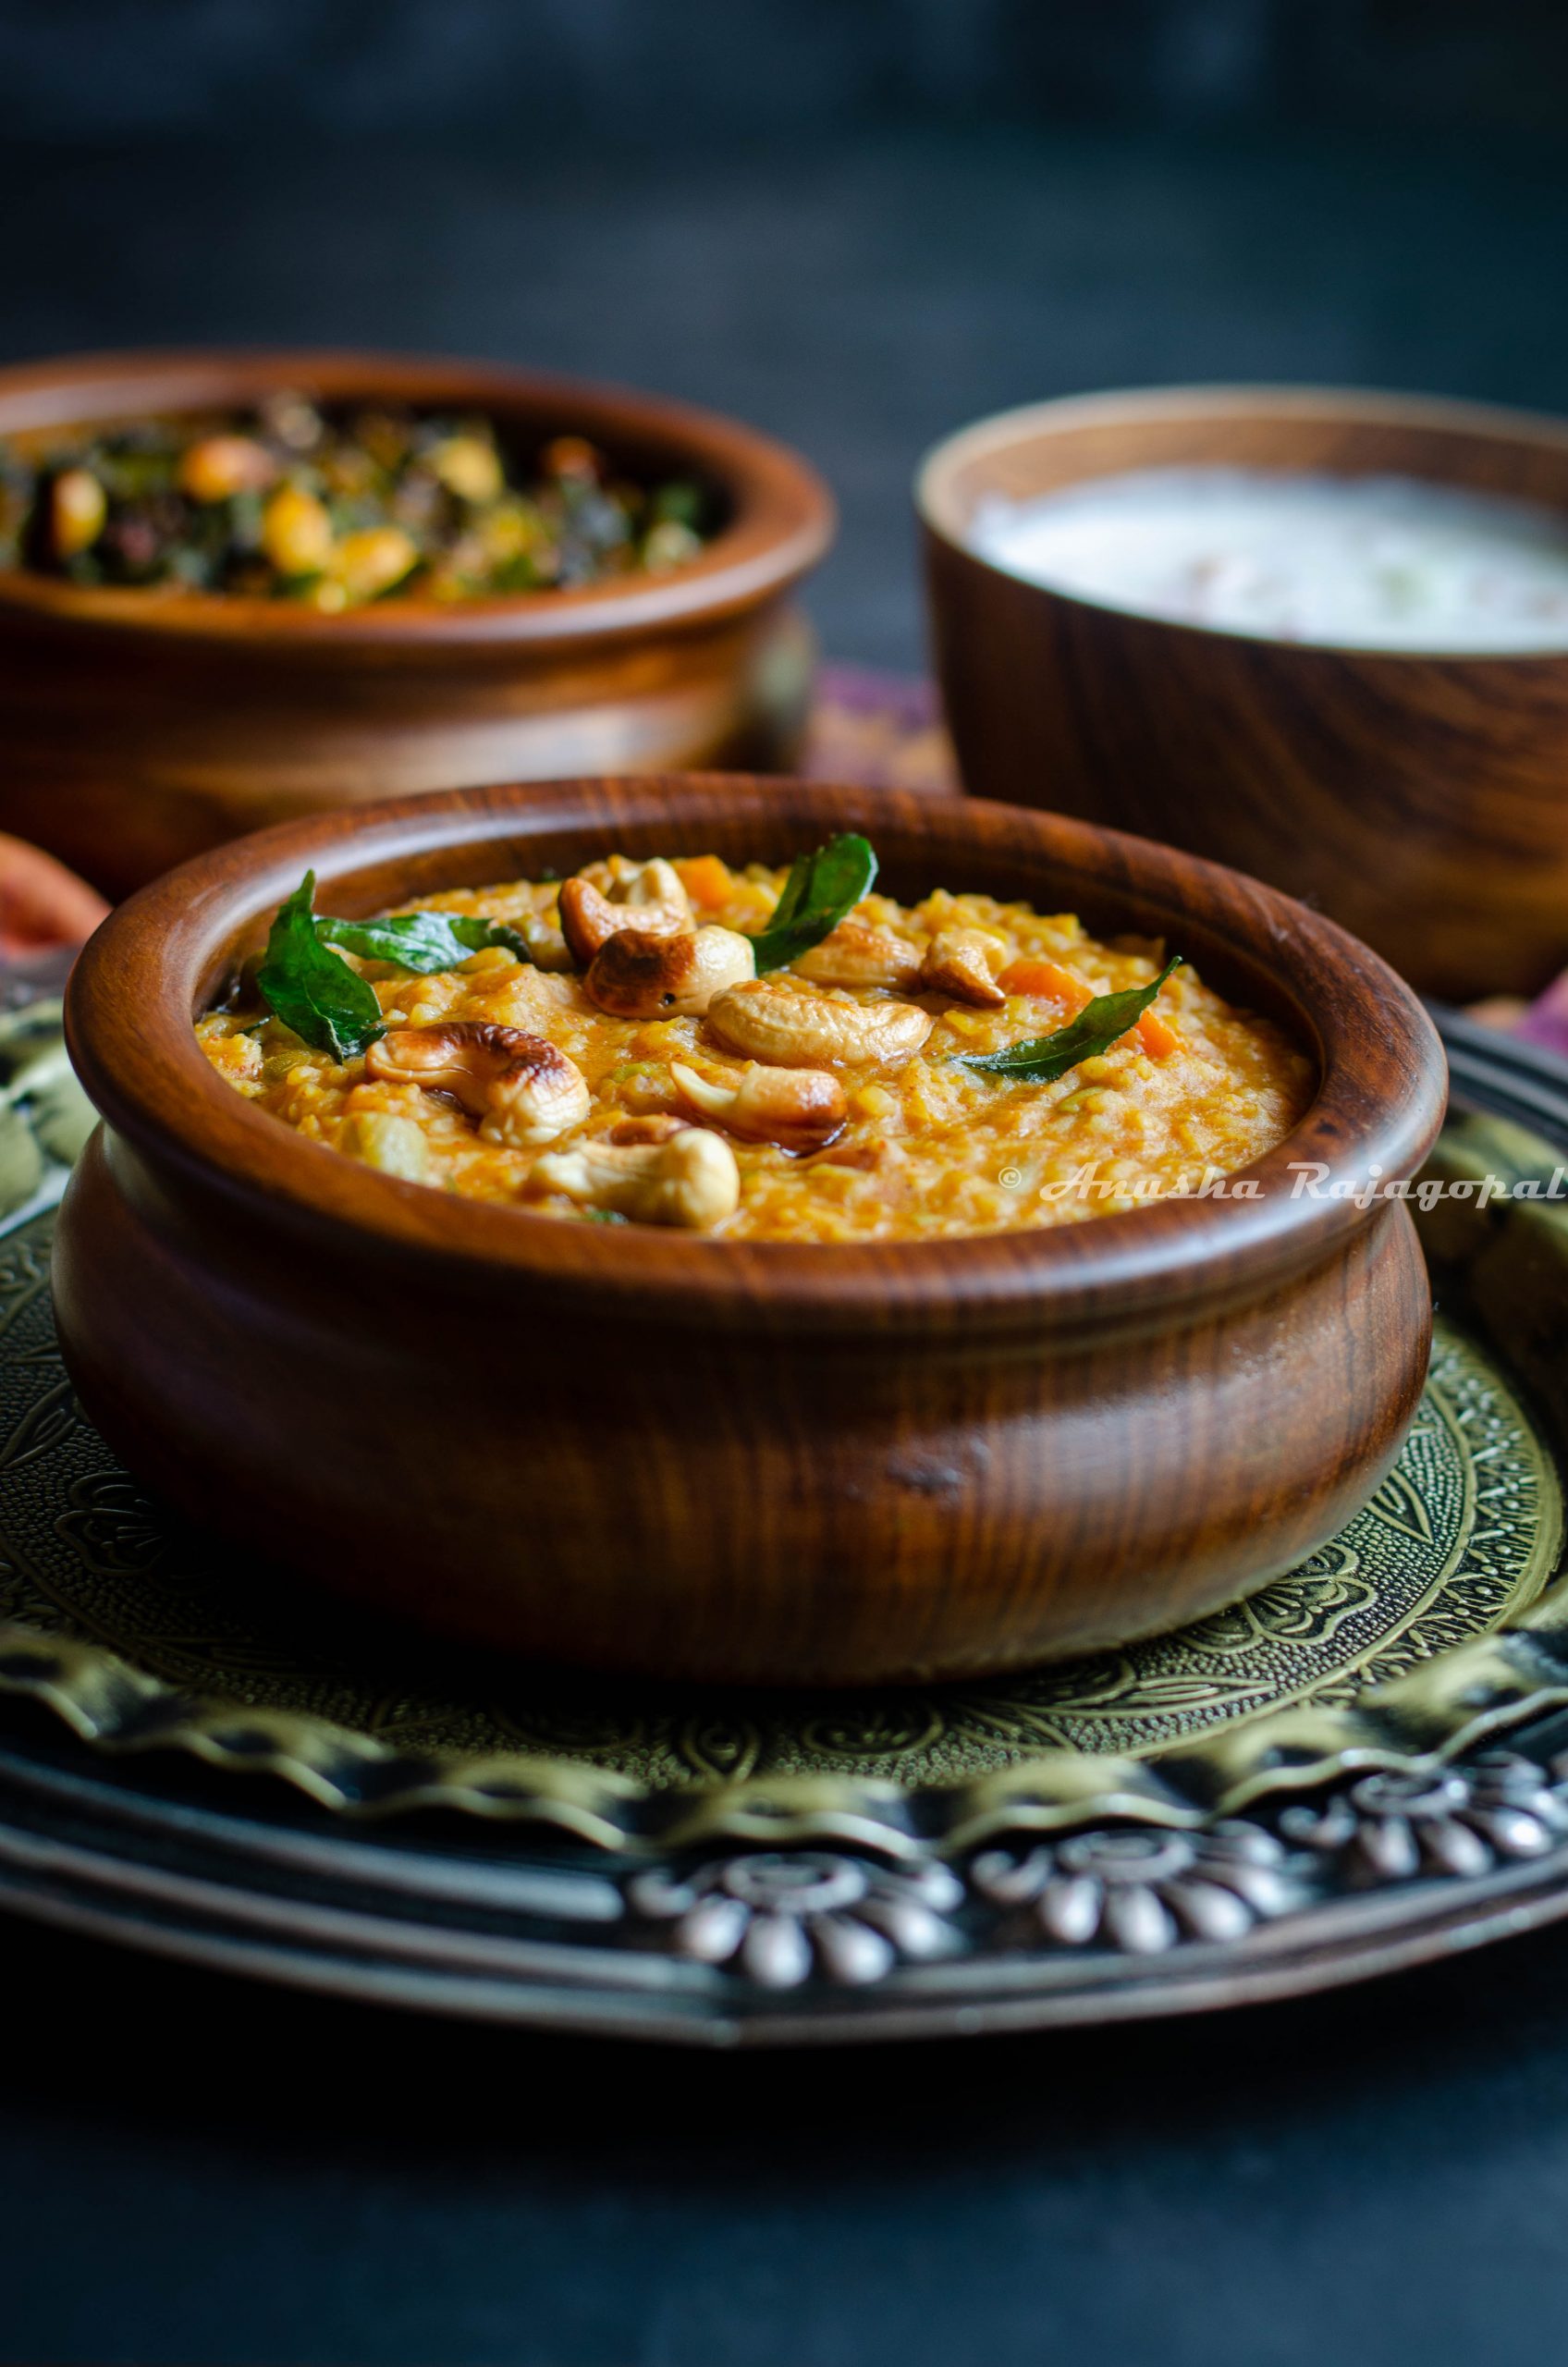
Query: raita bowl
[
  {"x": 1420, "y": 800},
  {"x": 143, "y": 725},
  {"x": 770, "y": 1463}
]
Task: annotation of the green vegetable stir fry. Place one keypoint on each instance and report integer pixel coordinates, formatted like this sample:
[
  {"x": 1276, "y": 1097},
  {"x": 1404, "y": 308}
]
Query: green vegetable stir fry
[{"x": 292, "y": 502}]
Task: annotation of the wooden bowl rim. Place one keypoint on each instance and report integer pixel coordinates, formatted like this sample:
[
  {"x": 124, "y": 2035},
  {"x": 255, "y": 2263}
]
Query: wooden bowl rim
[
  {"x": 153, "y": 963},
  {"x": 784, "y": 516},
  {"x": 936, "y": 505}
]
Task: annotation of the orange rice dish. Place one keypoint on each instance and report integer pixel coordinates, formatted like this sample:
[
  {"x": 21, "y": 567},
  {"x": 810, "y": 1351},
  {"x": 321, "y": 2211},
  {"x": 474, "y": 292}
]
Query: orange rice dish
[{"x": 632, "y": 1068}]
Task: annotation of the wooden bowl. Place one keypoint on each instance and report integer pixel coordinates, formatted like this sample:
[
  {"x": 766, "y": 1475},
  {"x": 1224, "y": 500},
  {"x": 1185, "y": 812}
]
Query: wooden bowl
[
  {"x": 1422, "y": 801},
  {"x": 772, "y": 1463},
  {"x": 143, "y": 727}
]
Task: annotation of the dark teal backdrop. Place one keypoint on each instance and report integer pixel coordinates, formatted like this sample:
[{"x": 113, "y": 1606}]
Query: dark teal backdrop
[{"x": 683, "y": 69}]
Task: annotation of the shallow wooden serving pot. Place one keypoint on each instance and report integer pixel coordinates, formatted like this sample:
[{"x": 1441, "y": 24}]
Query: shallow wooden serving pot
[
  {"x": 141, "y": 727},
  {"x": 1421, "y": 800},
  {"x": 778, "y": 1464}
]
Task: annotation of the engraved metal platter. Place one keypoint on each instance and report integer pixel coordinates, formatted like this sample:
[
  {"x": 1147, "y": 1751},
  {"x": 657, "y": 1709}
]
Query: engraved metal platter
[{"x": 1356, "y": 1766}]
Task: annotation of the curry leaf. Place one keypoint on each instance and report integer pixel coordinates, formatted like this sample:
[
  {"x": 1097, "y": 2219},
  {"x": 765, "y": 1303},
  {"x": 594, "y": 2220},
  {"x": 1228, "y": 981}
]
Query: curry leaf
[
  {"x": 820, "y": 889},
  {"x": 421, "y": 941},
  {"x": 1040, "y": 1060},
  {"x": 306, "y": 986}
]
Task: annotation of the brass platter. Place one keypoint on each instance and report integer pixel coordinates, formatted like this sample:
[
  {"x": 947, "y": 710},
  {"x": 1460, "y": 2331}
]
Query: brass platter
[{"x": 1300, "y": 1789}]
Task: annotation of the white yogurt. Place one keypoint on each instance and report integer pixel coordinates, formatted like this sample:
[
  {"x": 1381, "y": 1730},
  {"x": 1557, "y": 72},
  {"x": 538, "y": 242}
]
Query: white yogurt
[{"x": 1354, "y": 562}]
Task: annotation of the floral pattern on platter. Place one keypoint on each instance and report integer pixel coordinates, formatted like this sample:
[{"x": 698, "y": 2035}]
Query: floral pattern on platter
[
  {"x": 777, "y": 1915},
  {"x": 1143, "y": 1890},
  {"x": 1462, "y": 1821},
  {"x": 777, "y": 1919}
]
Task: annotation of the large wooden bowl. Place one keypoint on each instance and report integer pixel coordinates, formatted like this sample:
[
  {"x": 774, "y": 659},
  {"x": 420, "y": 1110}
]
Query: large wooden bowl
[
  {"x": 140, "y": 727},
  {"x": 1421, "y": 800},
  {"x": 772, "y": 1463}
]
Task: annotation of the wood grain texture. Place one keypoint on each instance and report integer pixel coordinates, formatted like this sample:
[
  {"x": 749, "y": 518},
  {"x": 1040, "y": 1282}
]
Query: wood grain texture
[
  {"x": 142, "y": 728},
  {"x": 1423, "y": 802},
  {"x": 761, "y": 1462}
]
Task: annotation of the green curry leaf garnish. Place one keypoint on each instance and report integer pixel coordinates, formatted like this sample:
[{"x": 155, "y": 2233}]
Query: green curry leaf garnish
[
  {"x": 821, "y": 889},
  {"x": 1040, "y": 1060},
  {"x": 421, "y": 941},
  {"x": 328, "y": 1005}
]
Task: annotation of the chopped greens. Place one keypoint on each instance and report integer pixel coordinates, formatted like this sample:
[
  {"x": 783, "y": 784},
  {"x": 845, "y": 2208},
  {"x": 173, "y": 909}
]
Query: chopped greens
[
  {"x": 306, "y": 986},
  {"x": 1040, "y": 1060},
  {"x": 421, "y": 941},
  {"x": 821, "y": 889},
  {"x": 335, "y": 507}
]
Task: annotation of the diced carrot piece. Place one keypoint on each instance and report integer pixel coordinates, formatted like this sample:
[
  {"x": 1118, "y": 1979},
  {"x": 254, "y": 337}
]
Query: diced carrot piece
[
  {"x": 706, "y": 879},
  {"x": 1156, "y": 1036},
  {"x": 1047, "y": 980}
]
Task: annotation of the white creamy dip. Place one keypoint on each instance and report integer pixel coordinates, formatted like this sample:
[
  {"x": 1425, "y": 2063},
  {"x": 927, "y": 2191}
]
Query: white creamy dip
[{"x": 1363, "y": 562}]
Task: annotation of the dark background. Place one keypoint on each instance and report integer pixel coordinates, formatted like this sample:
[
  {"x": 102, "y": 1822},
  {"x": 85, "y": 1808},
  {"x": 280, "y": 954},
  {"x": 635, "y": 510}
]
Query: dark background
[
  {"x": 198, "y": 2175},
  {"x": 703, "y": 68},
  {"x": 859, "y": 224}
]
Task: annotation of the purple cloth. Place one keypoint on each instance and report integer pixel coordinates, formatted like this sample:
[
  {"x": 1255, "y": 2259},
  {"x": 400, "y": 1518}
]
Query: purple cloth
[
  {"x": 908, "y": 702},
  {"x": 1546, "y": 1022}
]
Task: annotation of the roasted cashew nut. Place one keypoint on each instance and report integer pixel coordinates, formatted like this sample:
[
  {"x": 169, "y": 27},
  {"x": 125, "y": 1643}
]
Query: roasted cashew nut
[
  {"x": 638, "y": 976},
  {"x": 958, "y": 963},
  {"x": 690, "y": 1180},
  {"x": 856, "y": 954},
  {"x": 522, "y": 1089},
  {"x": 773, "y": 1023},
  {"x": 603, "y": 896},
  {"x": 625, "y": 882},
  {"x": 589, "y": 919},
  {"x": 797, "y": 1109}
]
